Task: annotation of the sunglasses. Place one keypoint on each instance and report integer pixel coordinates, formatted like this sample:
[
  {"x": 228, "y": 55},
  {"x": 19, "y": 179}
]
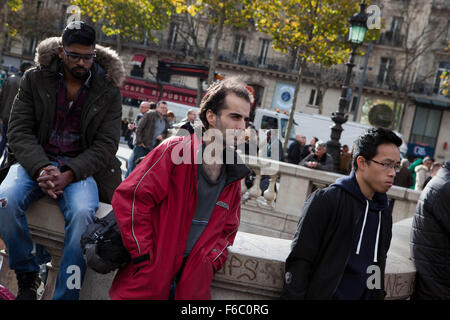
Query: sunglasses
[{"x": 75, "y": 57}]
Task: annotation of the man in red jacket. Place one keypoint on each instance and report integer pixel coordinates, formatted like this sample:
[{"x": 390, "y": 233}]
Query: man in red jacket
[{"x": 180, "y": 209}]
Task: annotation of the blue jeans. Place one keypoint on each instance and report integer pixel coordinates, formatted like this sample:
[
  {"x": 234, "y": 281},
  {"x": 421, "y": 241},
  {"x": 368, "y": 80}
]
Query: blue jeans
[
  {"x": 137, "y": 153},
  {"x": 78, "y": 203}
]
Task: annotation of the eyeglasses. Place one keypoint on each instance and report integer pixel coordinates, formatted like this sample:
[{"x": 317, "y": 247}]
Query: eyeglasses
[
  {"x": 75, "y": 57},
  {"x": 388, "y": 166}
]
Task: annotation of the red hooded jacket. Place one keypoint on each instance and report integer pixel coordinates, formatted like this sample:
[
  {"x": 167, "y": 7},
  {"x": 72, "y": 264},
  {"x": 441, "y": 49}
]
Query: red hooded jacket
[{"x": 154, "y": 208}]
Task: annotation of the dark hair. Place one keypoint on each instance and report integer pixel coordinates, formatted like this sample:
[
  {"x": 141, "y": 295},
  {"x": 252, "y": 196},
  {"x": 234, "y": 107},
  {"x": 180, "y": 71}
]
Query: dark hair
[
  {"x": 78, "y": 32},
  {"x": 367, "y": 144},
  {"x": 152, "y": 105},
  {"x": 214, "y": 98},
  {"x": 25, "y": 66},
  {"x": 160, "y": 103}
]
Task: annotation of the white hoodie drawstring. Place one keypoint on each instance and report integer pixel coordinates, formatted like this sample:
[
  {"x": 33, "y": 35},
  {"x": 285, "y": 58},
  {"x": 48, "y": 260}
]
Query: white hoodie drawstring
[
  {"x": 378, "y": 236},
  {"x": 362, "y": 233},
  {"x": 362, "y": 229}
]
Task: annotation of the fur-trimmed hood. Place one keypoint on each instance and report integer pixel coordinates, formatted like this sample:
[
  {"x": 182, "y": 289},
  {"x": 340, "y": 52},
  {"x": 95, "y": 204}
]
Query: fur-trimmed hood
[{"x": 107, "y": 58}]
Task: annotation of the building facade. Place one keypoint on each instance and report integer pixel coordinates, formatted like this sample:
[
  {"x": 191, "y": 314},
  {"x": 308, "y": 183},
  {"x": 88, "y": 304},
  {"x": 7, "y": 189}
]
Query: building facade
[{"x": 395, "y": 83}]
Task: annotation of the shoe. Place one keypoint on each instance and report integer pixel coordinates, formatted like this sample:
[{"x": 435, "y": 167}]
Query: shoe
[{"x": 28, "y": 282}]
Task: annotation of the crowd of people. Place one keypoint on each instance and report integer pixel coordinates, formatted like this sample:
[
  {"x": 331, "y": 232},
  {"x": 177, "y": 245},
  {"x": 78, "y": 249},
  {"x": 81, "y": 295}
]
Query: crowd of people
[{"x": 151, "y": 127}]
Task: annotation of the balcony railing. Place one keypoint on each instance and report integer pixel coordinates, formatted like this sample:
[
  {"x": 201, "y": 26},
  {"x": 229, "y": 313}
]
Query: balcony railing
[{"x": 390, "y": 38}]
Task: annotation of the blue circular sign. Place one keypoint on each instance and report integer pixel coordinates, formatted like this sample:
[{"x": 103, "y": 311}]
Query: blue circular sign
[{"x": 285, "y": 96}]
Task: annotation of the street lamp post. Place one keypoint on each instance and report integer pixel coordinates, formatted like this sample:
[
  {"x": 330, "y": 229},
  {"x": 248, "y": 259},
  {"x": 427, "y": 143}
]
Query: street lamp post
[{"x": 358, "y": 28}]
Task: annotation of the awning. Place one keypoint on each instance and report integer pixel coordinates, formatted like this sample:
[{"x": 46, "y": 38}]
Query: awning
[{"x": 138, "y": 59}]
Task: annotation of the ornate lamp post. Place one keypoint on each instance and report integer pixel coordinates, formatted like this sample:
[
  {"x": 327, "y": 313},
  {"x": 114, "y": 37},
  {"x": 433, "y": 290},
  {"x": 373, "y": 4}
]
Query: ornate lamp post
[{"x": 358, "y": 28}]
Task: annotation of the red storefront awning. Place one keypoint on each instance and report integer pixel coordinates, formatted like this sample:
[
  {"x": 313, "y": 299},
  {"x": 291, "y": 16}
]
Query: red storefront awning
[
  {"x": 138, "y": 59},
  {"x": 143, "y": 90}
]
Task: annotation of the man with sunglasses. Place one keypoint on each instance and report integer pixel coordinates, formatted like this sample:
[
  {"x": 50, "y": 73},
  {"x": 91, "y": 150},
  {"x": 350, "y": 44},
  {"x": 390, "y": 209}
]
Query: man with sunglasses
[
  {"x": 344, "y": 233},
  {"x": 63, "y": 134}
]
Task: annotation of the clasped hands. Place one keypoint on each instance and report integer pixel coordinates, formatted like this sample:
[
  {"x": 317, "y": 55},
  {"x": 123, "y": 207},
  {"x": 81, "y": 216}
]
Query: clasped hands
[
  {"x": 52, "y": 181},
  {"x": 311, "y": 164}
]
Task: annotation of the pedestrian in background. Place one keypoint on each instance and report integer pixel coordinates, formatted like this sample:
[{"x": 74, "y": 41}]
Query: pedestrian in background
[
  {"x": 320, "y": 159},
  {"x": 152, "y": 129},
  {"x": 423, "y": 171},
  {"x": 143, "y": 108},
  {"x": 412, "y": 167},
  {"x": 404, "y": 178},
  {"x": 9, "y": 91},
  {"x": 434, "y": 170},
  {"x": 170, "y": 118},
  {"x": 345, "y": 160},
  {"x": 297, "y": 150}
]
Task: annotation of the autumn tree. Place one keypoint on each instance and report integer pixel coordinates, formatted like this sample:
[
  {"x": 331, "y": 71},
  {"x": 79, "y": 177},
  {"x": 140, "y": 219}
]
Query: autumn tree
[
  {"x": 219, "y": 14},
  {"x": 34, "y": 22},
  {"x": 6, "y": 6},
  {"x": 197, "y": 33},
  {"x": 315, "y": 29},
  {"x": 128, "y": 19}
]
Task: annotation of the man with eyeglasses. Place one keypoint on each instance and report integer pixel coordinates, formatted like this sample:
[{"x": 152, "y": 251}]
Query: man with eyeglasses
[
  {"x": 63, "y": 134},
  {"x": 344, "y": 233}
]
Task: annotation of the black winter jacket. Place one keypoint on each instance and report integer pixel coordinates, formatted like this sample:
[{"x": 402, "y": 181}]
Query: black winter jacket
[
  {"x": 324, "y": 242},
  {"x": 430, "y": 238}
]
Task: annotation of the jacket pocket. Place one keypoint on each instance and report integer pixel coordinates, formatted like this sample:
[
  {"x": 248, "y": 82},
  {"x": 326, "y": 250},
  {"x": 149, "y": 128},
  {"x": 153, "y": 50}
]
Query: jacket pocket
[{"x": 140, "y": 263}]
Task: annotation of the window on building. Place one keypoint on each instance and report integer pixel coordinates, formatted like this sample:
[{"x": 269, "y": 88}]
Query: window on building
[
  {"x": 442, "y": 68},
  {"x": 315, "y": 97},
  {"x": 447, "y": 34},
  {"x": 238, "y": 48},
  {"x": 396, "y": 29},
  {"x": 386, "y": 67},
  {"x": 263, "y": 51},
  {"x": 426, "y": 125},
  {"x": 173, "y": 35},
  {"x": 39, "y": 6},
  {"x": 30, "y": 46}
]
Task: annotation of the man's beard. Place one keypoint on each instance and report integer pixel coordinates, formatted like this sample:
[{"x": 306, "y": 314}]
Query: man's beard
[{"x": 79, "y": 72}]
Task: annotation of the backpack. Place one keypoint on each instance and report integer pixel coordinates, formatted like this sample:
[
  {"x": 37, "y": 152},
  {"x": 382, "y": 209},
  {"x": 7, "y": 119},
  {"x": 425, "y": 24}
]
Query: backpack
[{"x": 102, "y": 245}]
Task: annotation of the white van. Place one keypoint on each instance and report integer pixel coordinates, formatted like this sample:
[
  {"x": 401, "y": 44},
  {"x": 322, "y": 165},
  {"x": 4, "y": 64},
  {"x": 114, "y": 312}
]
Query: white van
[{"x": 180, "y": 110}]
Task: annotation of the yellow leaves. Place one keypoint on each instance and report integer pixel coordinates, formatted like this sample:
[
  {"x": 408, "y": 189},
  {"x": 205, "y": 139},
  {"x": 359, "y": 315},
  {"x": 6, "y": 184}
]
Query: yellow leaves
[
  {"x": 318, "y": 27},
  {"x": 192, "y": 11},
  {"x": 15, "y": 5}
]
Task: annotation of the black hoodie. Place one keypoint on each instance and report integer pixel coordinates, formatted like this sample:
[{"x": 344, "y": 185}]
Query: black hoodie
[
  {"x": 365, "y": 245},
  {"x": 323, "y": 263}
]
